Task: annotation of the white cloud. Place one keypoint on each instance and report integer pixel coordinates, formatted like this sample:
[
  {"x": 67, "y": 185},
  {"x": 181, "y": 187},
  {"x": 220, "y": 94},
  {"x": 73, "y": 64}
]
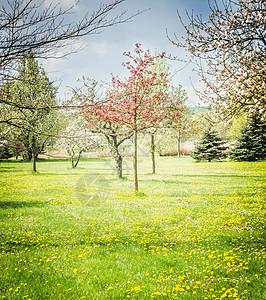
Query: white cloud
[
  {"x": 100, "y": 49},
  {"x": 103, "y": 53}
]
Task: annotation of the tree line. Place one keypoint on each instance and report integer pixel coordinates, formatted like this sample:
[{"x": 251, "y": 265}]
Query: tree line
[{"x": 144, "y": 102}]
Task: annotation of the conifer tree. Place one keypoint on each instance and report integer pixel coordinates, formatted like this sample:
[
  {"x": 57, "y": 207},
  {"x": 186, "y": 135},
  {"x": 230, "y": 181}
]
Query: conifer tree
[
  {"x": 210, "y": 147},
  {"x": 251, "y": 144}
]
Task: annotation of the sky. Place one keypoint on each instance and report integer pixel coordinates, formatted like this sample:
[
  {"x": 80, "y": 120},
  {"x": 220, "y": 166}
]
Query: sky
[{"x": 102, "y": 54}]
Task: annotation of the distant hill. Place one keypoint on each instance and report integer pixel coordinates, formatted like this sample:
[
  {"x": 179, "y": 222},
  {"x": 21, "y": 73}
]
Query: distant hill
[{"x": 200, "y": 109}]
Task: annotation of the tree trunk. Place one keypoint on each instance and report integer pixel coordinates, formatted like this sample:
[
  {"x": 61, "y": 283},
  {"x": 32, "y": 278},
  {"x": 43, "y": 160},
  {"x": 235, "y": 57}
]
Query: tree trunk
[
  {"x": 178, "y": 143},
  {"x": 33, "y": 156},
  {"x": 112, "y": 141},
  {"x": 34, "y": 169},
  {"x": 153, "y": 153},
  {"x": 118, "y": 165},
  {"x": 72, "y": 161},
  {"x": 135, "y": 161},
  {"x": 77, "y": 160}
]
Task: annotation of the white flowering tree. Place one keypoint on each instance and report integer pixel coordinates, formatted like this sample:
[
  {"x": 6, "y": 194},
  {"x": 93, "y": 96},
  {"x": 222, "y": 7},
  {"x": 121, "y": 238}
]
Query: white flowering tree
[
  {"x": 229, "y": 48},
  {"x": 76, "y": 139}
]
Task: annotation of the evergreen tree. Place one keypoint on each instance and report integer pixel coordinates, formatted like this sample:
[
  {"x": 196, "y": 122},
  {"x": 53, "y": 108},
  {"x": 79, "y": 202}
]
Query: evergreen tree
[
  {"x": 251, "y": 144},
  {"x": 210, "y": 147}
]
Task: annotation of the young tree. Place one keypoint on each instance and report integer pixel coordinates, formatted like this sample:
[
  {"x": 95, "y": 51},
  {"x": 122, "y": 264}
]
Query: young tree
[
  {"x": 232, "y": 44},
  {"x": 76, "y": 139},
  {"x": 251, "y": 144},
  {"x": 33, "y": 89},
  {"x": 134, "y": 103},
  {"x": 177, "y": 104},
  {"x": 174, "y": 106},
  {"x": 210, "y": 147},
  {"x": 159, "y": 66}
]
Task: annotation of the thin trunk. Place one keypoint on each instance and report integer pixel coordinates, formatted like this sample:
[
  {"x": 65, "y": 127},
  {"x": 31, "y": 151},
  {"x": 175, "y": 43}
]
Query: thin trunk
[
  {"x": 34, "y": 168},
  {"x": 135, "y": 161},
  {"x": 153, "y": 153},
  {"x": 72, "y": 158},
  {"x": 34, "y": 163},
  {"x": 77, "y": 160},
  {"x": 178, "y": 143}
]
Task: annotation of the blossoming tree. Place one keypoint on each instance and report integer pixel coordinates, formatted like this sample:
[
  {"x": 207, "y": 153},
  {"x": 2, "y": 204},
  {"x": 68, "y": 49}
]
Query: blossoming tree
[
  {"x": 136, "y": 103},
  {"x": 91, "y": 98},
  {"x": 231, "y": 42}
]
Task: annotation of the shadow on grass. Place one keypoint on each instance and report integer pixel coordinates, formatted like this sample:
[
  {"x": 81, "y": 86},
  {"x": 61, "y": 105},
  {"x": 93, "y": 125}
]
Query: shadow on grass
[
  {"x": 19, "y": 204},
  {"x": 165, "y": 181},
  {"x": 11, "y": 161},
  {"x": 43, "y": 173},
  {"x": 243, "y": 241},
  {"x": 217, "y": 175},
  {"x": 9, "y": 170}
]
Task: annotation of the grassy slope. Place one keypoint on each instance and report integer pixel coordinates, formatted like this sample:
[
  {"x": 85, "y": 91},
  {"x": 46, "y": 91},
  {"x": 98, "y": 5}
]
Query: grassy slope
[{"x": 196, "y": 231}]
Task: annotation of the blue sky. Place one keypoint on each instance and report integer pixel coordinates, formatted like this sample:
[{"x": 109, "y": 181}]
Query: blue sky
[{"x": 102, "y": 53}]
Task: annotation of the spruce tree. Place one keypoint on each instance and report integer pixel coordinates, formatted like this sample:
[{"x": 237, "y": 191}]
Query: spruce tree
[
  {"x": 251, "y": 144},
  {"x": 210, "y": 147}
]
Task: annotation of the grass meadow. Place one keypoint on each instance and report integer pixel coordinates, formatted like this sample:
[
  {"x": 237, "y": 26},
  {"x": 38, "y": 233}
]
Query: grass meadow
[{"x": 195, "y": 231}]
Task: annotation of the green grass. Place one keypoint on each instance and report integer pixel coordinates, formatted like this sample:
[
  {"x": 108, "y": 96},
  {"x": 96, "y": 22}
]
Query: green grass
[{"x": 195, "y": 231}]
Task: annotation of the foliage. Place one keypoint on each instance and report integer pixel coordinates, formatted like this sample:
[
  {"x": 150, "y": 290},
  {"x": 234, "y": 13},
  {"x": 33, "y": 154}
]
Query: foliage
[
  {"x": 234, "y": 131},
  {"x": 179, "y": 124},
  {"x": 5, "y": 150},
  {"x": 251, "y": 144},
  {"x": 232, "y": 44},
  {"x": 138, "y": 102},
  {"x": 210, "y": 147},
  {"x": 29, "y": 127},
  {"x": 176, "y": 110}
]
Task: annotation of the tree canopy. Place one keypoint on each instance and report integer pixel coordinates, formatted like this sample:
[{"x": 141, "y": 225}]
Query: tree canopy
[
  {"x": 29, "y": 127},
  {"x": 229, "y": 48}
]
